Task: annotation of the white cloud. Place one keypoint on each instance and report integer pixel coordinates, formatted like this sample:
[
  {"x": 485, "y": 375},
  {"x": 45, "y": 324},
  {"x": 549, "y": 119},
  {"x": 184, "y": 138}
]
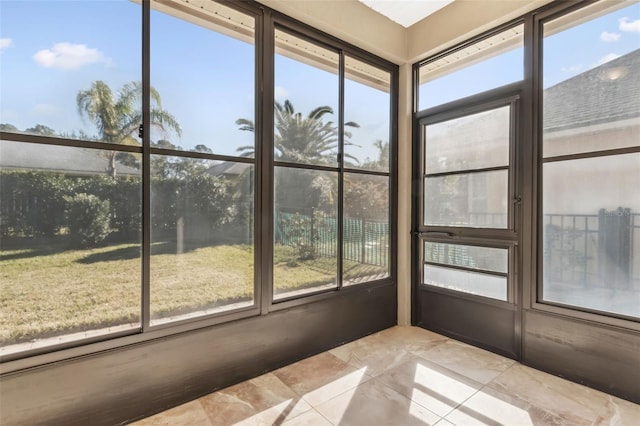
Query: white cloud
[
  {"x": 609, "y": 37},
  {"x": 67, "y": 56},
  {"x": 280, "y": 93},
  {"x": 607, "y": 58},
  {"x": 5, "y": 42},
  {"x": 629, "y": 26}
]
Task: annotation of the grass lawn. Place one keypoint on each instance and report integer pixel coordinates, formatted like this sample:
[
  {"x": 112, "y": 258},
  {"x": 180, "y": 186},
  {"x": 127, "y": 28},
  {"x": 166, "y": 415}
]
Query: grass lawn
[{"x": 48, "y": 292}]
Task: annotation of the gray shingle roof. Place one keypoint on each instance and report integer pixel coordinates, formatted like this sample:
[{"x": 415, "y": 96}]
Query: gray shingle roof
[
  {"x": 73, "y": 161},
  {"x": 607, "y": 93}
]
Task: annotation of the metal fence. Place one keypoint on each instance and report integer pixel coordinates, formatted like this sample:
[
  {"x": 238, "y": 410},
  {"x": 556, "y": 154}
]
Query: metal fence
[
  {"x": 365, "y": 241},
  {"x": 592, "y": 250}
]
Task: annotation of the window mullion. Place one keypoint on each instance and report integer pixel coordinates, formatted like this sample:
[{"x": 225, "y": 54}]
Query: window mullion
[
  {"x": 265, "y": 156},
  {"x": 146, "y": 165},
  {"x": 340, "y": 226}
]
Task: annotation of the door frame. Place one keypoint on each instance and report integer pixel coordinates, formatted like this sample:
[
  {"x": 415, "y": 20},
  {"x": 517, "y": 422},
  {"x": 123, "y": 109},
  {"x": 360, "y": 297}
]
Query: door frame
[{"x": 483, "y": 318}]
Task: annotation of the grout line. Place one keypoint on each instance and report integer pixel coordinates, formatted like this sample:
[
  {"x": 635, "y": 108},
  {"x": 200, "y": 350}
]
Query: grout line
[
  {"x": 368, "y": 379},
  {"x": 287, "y": 418},
  {"x": 460, "y": 404},
  {"x": 322, "y": 415},
  {"x": 410, "y": 400}
]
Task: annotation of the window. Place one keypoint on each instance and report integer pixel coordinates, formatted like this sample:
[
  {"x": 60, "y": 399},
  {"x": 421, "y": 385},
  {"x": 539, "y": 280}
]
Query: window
[
  {"x": 202, "y": 203},
  {"x": 109, "y": 229},
  {"x": 466, "y": 181},
  {"x": 591, "y": 161},
  {"x": 367, "y": 103},
  {"x": 202, "y": 64},
  {"x": 314, "y": 147},
  {"x": 70, "y": 245},
  {"x": 473, "y": 68},
  {"x": 366, "y": 237},
  {"x": 50, "y": 74},
  {"x": 201, "y": 237},
  {"x": 305, "y": 132},
  {"x": 367, "y": 185},
  {"x": 70, "y": 216},
  {"x": 470, "y": 269}
]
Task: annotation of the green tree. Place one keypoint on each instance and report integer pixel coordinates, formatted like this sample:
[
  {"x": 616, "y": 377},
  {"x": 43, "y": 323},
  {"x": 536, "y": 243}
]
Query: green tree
[
  {"x": 366, "y": 197},
  {"x": 203, "y": 148},
  {"x": 301, "y": 139},
  {"x": 117, "y": 119},
  {"x": 41, "y": 129},
  {"x": 8, "y": 127}
]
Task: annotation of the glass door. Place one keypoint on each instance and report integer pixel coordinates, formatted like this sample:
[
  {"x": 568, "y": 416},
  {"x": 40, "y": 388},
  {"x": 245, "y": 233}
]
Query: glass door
[{"x": 467, "y": 233}]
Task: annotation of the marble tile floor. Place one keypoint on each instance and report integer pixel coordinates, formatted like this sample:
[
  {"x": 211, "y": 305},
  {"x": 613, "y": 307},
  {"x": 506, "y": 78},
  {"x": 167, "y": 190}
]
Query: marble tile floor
[{"x": 403, "y": 376}]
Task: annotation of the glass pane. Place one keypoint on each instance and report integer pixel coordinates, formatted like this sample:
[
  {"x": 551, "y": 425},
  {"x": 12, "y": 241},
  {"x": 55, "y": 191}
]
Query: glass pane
[
  {"x": 477, "y": 283},
  {"x": 367, "y": 110},
  {"x": 78, "y": 75},
  {"x": 306, "y": 102},
  {"x": 471, "y": 142},
  {"x": 203, "y": 67},
  {"x": 474, "y": 257},
  {"x": 591, "y": 233},
  {"x": 305, "y": 257},
  {"x": 69, "y": 245},
  {"x": 591, "y": 80},
  {"x": 485, "y": 65},
  {"x": 201, "y": 237},
  {"x": 365, "y": 228},
  {"x": 478, "y": 200}
]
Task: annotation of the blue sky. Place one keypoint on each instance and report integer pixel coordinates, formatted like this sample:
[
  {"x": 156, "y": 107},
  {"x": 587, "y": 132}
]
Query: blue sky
[{"x": 52, "y": 49}]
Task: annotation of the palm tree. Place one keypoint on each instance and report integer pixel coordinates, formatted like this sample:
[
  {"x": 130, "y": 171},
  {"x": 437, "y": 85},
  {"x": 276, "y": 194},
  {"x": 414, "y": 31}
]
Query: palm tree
[
  {"x": 300, "y": 139},
  {"x": 382, "y": 162},
  {"x": 117, "y": 120}
]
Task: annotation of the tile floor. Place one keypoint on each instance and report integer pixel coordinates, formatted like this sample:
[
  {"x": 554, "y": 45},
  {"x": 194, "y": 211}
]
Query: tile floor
[{"x": 404, "y": 376}]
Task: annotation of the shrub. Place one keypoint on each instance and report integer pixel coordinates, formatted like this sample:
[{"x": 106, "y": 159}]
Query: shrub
[
  {"x": 88, "y": 219},
  {"x": 298, "y": 233},
  {"x": 124, "y": 195}
]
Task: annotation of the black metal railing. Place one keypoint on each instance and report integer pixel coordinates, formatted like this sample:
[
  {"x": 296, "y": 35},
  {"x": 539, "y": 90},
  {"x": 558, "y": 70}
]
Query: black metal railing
[
  {"x": 594, "y": 250},
  {"x": 365, "y": 241}
]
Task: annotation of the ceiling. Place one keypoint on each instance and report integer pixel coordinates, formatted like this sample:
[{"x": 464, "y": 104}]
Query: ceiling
[{"x": 406, "y": 12}]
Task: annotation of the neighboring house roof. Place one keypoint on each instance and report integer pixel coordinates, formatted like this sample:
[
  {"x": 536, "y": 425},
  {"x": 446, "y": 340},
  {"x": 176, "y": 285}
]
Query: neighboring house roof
[
  {"x": 230, "y": 169},
  {"x": 51, "y": 158},
  {"x": 607, "y": 93}
]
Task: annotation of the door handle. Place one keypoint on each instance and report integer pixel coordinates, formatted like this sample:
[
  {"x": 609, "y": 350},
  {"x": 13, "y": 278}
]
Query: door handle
[
  {"x": 433, "y": 234},
  {"x": 439, "y": 234}
]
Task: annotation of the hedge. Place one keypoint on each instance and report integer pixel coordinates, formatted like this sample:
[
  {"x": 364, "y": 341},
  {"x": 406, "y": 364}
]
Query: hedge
[{"x": 33, "y": 204}]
